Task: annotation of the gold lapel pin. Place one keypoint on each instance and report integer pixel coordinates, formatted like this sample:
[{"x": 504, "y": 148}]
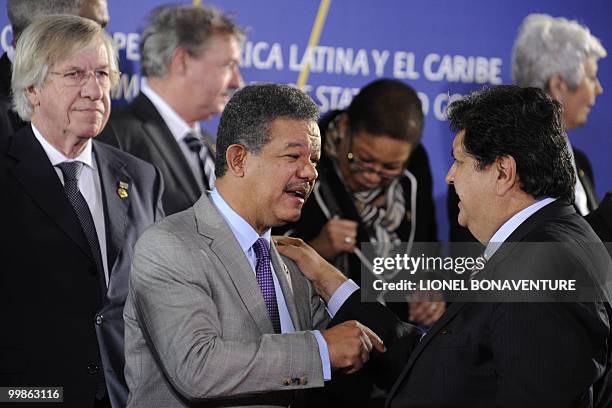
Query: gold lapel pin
[{"x": 122, "y": 190}]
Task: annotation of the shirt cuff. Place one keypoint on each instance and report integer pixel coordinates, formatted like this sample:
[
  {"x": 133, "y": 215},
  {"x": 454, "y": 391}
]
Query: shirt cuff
[
  {"x": 340, "y": 295},
  {"x": 324, "y": 353}
]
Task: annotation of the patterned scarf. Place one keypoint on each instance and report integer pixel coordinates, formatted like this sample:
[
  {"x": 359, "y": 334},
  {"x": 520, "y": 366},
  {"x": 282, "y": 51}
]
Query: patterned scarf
[{"x": 382, "y": 221}]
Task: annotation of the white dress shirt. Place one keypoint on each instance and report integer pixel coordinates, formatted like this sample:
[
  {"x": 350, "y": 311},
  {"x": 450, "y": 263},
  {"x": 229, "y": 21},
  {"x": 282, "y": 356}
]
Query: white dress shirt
[
  {"x": 179, "y": 129},
  {"x": 89, "y": 185},
  {"x": 580, "y": 197},
  {"x": 502, "y": 234}
]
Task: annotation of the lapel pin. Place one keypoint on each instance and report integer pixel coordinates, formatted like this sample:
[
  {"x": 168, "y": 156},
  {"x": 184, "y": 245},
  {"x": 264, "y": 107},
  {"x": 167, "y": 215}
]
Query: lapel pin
[
  {"x": 286, "y": 269},
  {"x": 122, "y": 190}
]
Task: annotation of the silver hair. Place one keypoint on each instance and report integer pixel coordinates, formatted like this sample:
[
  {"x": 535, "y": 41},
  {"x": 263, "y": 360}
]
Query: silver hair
[
  {"x": 22, "y": 12},
  {"x": 49, "y": 40},
  {"x": 546, "y": 46},
  {"x": 188, "y": 27}
]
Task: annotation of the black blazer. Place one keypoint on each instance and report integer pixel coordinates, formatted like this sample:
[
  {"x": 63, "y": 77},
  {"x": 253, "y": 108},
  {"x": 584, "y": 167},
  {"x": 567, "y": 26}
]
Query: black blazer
[
  {"x": 59, "y": 327},
  {"x": 600, "y": 220},
  {"x": 138, "y": 128},
  {"x": 518, "y": 354},
  {"x": 10, "y": 122}
]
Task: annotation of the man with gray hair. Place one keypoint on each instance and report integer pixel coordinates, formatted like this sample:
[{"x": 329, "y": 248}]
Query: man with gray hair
[
  {"x": 560, "y": 57},
  {"x": 72, "y": 211},
  {"x": 21, "y": 13},
  {"x": 189, "y": 56},
  {"x": 214, "y": 314}
]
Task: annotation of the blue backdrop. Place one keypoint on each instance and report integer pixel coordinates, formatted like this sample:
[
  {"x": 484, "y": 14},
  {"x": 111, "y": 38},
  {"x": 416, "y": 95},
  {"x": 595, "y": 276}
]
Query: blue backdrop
[{"x": 442, "y": 48}]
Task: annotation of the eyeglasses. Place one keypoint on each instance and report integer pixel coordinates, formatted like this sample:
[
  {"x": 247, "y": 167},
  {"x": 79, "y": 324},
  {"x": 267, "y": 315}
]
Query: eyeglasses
[
  {"x": 361, "y": 166},
  {"x": 77, "y": 78}
]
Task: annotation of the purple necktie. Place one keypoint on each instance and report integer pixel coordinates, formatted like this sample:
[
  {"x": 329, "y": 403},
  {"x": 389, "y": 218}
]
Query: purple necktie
[{"x": 263, "y": 273}]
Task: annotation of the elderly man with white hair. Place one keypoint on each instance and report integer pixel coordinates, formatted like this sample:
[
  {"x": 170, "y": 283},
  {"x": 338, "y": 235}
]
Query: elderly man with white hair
[
  {"x": 21, "y": 13},
  {"x": 72, "y": 210},
  {"x": 560, "y": 57}
]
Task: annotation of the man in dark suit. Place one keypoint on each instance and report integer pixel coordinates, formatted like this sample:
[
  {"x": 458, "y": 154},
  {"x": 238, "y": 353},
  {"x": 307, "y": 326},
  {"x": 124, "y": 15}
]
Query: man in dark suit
[
  {"x": 568, "y": 76},
  {"x": 513, "y": 174},
  {"x": 189, "y": 56},
  {"x": 600, "y": 220},
  {"x": 71, "y": 211},
  {"x": 21, "y": 13}
]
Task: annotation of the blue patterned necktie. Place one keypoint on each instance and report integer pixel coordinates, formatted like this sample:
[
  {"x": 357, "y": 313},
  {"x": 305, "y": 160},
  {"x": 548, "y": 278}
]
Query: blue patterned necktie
[{"x": 263, "y": 273}]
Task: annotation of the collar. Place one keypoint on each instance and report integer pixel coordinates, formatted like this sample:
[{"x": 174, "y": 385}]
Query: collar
[
  {"x": 243, "y": 231},
  {"x": 56, "y": 157},
  {"x": 178, "y": 127},
  {"x": 512, "y": 224}
]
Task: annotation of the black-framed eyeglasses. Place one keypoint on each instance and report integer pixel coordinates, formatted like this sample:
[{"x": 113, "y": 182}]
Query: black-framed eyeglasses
[{"x": 362, "y": 166}]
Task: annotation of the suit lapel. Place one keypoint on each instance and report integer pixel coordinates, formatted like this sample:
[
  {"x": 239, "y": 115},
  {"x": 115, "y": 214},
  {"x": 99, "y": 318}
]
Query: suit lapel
[
  {"x": 112, "y": 173},
  {"x": 162, "y": 138},
  {"x": 592, "y": 201},
  {"x": 39, "y": 179},
  {"x": 210, "y": 224},
  {"x": 284, "y": 278},
  {"x": 450, "y": 314},
  {"x": 554, "y": 209}
]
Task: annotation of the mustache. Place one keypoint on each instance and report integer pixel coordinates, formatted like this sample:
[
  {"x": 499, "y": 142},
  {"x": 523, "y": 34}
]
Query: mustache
[{"x": 305, "y": 187}]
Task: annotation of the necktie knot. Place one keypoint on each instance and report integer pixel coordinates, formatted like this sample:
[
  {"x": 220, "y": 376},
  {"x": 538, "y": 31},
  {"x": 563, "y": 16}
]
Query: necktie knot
[
  {"x": 194, "y": 143},
  {"x": 478, "y": 268},
  {"x": 206, "y": 162},
  {"x": 262, "y": 252},
  {"x": 71, "y": 170}
]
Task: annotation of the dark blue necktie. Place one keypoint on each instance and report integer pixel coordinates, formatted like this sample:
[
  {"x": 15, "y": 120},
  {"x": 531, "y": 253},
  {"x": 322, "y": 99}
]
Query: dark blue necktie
[
  {"x": 71, "y": 172},
  {"x": 263, "y": 273}
]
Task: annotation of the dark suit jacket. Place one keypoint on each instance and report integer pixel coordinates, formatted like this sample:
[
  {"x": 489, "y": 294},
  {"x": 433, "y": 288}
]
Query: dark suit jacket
[
  {"x": 518, "y": 354},
  {"x": 139, "y": 129},
  {"x": 59, "y": 328},
  {"x": 10, "y": 122},
  {"x": 600, "y": 220}
]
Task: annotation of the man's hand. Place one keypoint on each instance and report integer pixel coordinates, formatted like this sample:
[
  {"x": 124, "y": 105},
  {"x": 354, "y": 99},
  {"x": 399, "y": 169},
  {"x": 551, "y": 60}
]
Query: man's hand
[
  {"x": 349, "y": 345},
  {"x": 324, "y": 277},
  {"x": 336, "y": 236},
  {"x": 426, "y": 307}
]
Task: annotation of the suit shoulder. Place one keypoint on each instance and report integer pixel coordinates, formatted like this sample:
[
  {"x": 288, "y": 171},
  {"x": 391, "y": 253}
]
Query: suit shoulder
[
  {"x": 124, "y": 118},
  {"x": 132, "y": 162},
  {"x": 124, "y": 111},
  {"x": 583, "y": 163},
  {"x": 178, "y": 228},
  {"x": 568, "y": 228}
]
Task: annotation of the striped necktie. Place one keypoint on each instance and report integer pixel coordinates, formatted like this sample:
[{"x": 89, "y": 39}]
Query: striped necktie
[{"x": 206, "y": 162}]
